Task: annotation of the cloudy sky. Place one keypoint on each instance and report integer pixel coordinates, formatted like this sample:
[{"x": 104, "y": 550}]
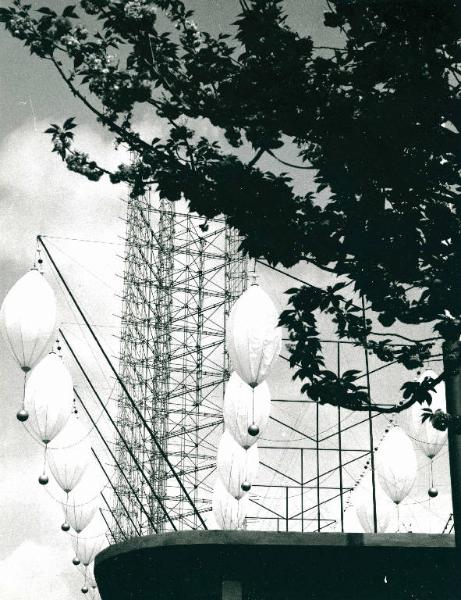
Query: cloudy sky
[{"x": 38, "y": 195}]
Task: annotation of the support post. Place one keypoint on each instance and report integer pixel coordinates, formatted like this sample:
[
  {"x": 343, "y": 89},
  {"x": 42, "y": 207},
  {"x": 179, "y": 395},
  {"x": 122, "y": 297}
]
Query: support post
[
  {"x": 317, "y": 453},
  {"x": 286, "y": 507},
  {"x": 452, "y": 364},
  {"x": 302, "y": 489},
  {"x": 340, "y": 448}
]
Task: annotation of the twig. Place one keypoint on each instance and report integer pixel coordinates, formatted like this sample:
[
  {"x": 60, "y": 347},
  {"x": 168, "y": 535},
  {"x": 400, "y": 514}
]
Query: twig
[
  {"x": 284, "y": 162},
  {"x": 407, "y": 339},
  {"x": 113, "y": 126},
  {"x": 256, "y": 157}
]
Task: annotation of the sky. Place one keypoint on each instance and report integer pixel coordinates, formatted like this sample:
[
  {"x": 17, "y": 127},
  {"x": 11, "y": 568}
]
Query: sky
[{"x": 38, "y": 195}]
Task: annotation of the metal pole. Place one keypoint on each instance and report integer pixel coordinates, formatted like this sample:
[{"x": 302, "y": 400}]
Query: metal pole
[
  {"x": 105, "y": 521},
  {"x": 452, "y": 362},
  {"x": 302, "y": 489},
  {"x": 115, "y": 519},
  {"x": 286, "y": 507},
  {"x": 318, "y": 463},
  {"x": 112, "y": 455},
  {"x": 370, "y": 430},
  {"x": 340, "y": 449},
  {"x": 114, "y": 489},
  {"x": 114, "y": 425}
]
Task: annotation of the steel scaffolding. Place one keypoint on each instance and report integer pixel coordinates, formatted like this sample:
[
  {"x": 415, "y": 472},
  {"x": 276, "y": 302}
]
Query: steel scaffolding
[{"x": 180, "y": 279}]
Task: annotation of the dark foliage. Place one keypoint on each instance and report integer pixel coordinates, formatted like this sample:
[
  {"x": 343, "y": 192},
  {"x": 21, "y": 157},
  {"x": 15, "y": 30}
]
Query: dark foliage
[{"x": 375, "y": 120}]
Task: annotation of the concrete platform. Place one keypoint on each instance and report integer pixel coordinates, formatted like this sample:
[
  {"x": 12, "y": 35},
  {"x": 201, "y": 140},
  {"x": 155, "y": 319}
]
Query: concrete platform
[{"x": 250, "y": 565}]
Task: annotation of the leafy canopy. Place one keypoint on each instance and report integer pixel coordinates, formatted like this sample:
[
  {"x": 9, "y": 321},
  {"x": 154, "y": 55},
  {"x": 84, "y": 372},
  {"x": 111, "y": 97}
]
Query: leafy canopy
[{"x": 374, "y": 123}]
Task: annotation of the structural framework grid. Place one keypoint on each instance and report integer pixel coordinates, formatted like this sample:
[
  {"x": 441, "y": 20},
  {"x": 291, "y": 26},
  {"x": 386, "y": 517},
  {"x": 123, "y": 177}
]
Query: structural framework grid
[
  {"x": 180, "y": 282},
  {"x": 181, "y": 278}
]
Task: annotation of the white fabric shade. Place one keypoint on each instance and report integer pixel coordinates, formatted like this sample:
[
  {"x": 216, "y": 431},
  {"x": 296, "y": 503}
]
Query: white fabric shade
[
  {"x": 244, "y": 406},
  {"x": 48, "y": 397},
  {"x": 79, "y": 514},
  {"x": 90, "y": 576},
  {"x": 236, "y": 465},
  {"x": 427, "y": 438},
  {"x": 362, "y": 500},
  {"x": 229, "y": 512},
  {"x": 396, "y": 465},
  {"x": 28, "y": 318},
  {"x": 87, "y": 544},
  {"x": 69, "y": 454},
  {"x": 91, "y": 483},
  {"x": 253, "y": 337}
]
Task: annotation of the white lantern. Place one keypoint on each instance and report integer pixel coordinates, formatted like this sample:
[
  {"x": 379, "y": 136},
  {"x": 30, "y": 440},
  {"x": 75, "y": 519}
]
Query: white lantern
[
  {"x": 91, "y": 483},
  {"x": 90, "y": 576},
  {"x": 396, "y": 465},
  {"x": 236, "y": 466},
  {"x": 69, "y": 454},
  {"x": 48, "y": 397},
  {"x": 362, "y": 500},
  {"x": 28, "y": 318},
  {"x": 79, "y": 514},
  {"x": 228, "y": 512},
  {"x": 253, "y": 337},
  {"x": 90, "y": 542},
  {"x": 427, "y": 438},
  {"x": 245, "y": 406}
]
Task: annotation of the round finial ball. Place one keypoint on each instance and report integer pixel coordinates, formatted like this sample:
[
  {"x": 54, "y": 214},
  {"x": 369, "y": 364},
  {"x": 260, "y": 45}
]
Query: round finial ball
[
  {"x": 65, "y": 526},
  {"x": 253, "y": 430},
  {"x": 84, "y": 590},
  {"x": 43, "y": 479},
  {"x": 22, "y": 415},
  {"x": 75, "y": 561},
  {"x": 433, "y": 492},
  {"x": 246, "y": 486}
]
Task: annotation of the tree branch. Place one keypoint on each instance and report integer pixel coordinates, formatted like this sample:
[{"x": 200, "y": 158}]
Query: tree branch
[
  {"x": 407, "y": 339},
  {"x": 123, "y": 133},
  {"x": 328, "y": 48},
  {"x": 106, "y": 171},
  {"x": 289, "y": 164},
  {"x": 256, "y": 157},
  {"x": 383, "y": 409}
]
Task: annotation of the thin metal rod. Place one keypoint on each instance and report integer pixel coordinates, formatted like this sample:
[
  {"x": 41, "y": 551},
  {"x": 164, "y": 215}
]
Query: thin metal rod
[
  {"x": 334, "y": 468},
  {"x": 112, "y": 455},
  {"x": 114, "y": 517},
  {"x": 292, "y": 429},
  {"x": 370, "y": 428},
  {"x": 274, "y": 486},
  {"x": 263, "y": 464},
  {"x": 286, "y": 508},
  {"x": 123, "y": 386},
  {"x": 129, "y": 450},
  {"x": 317, "y": 460},
  {"x": 105, "y": 520},
  {"x": 302, "y": 489},
  {"x": 340, "y": 450},
  {"x": 138, "y": 532}
]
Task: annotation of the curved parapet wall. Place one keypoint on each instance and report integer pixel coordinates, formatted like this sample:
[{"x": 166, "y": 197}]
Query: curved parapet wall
[{"x": 248, "y": 565}]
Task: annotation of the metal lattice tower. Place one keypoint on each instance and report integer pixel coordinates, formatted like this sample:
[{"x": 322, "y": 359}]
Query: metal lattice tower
[{"x": 179, "y": 284}]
